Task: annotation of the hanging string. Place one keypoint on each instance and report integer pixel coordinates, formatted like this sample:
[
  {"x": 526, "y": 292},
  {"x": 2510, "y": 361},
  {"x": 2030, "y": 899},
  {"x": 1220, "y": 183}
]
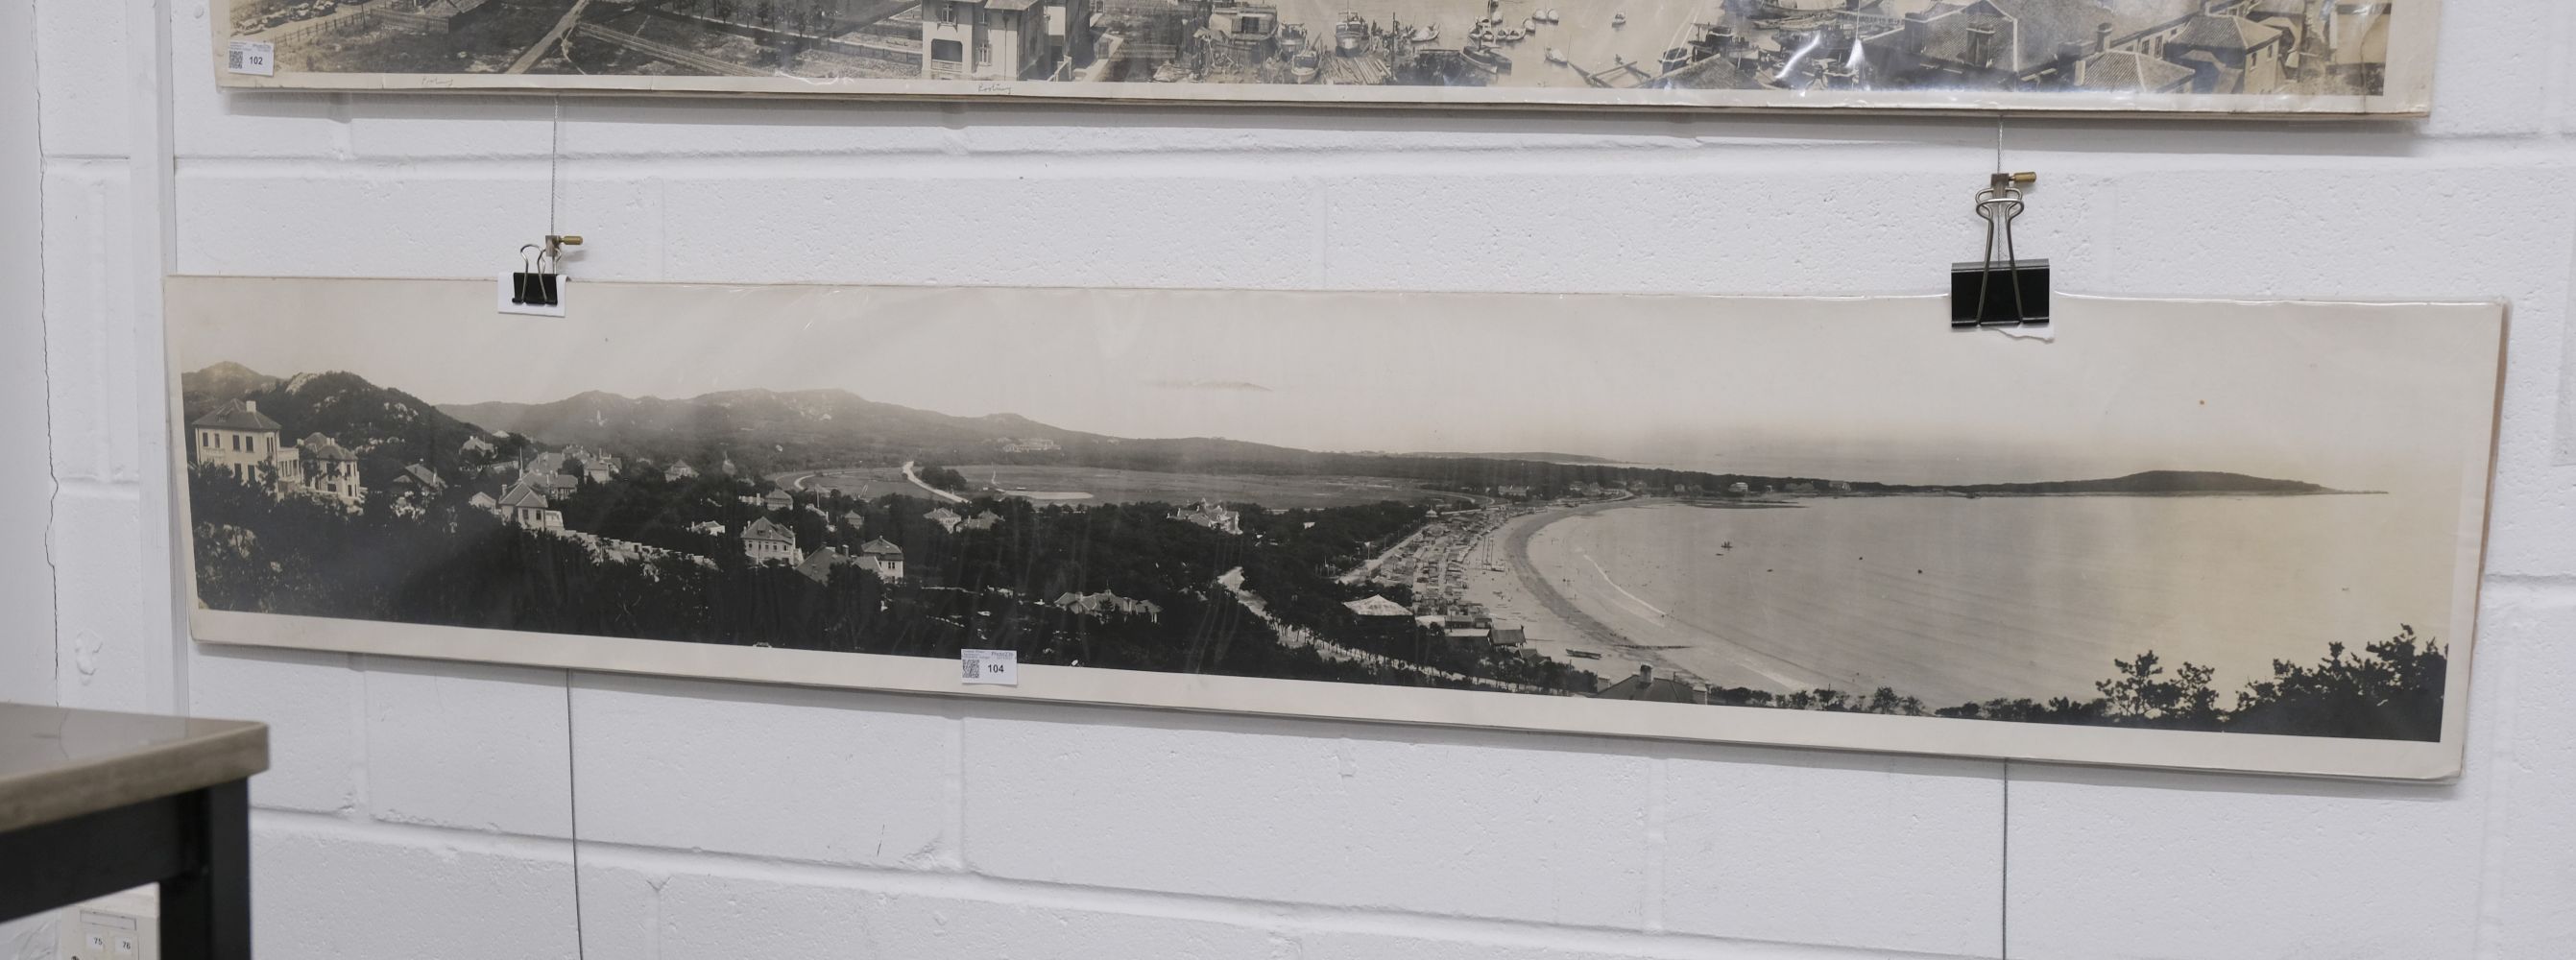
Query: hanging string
[
  {"x": 572, "y": 776},
  {"x": 1999, "y": 143},
  {"x": 572, "y": 823},
  {"x": 554, "y": 163}
]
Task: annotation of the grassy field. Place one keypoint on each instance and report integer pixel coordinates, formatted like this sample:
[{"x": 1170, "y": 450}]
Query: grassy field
[{"x": 1070, "y": 485}]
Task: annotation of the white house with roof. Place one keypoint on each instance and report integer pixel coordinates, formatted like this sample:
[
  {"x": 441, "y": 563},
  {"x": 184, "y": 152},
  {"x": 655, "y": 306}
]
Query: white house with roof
[
  {"x": 524, "y": 506},
  {"x": 331, "y": 470},
  {"x": 239, "y": 439},
  {"x": 881, "y": 557},
  {"x": 764, "y": 541},
  {"x": 679, "y": 470},
  {"x": 985, "y": 40},
  {"x": 1212, "y": 515}
]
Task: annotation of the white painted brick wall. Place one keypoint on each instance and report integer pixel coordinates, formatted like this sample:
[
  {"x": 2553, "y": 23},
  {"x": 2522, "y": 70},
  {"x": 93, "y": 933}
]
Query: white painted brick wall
[{"x": 419, "y": 810}]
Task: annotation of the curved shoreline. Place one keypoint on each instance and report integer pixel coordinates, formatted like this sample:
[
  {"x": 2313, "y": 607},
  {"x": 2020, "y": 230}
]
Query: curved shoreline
[{"x": 1749, "y": 667}]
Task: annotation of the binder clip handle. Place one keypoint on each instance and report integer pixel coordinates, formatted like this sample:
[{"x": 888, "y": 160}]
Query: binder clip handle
[{"x": 2006, "y": 292}]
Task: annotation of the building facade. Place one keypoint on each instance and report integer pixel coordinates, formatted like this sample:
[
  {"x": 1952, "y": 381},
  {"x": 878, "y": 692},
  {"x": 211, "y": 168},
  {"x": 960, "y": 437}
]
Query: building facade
[
  {"x": 764, "y": 541},
  {"x": 240, "y": 440}
]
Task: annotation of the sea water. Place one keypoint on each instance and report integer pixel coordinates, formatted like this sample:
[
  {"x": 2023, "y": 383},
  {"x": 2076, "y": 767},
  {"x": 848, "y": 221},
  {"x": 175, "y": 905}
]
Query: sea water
[{"x": 1953, "y": 599}]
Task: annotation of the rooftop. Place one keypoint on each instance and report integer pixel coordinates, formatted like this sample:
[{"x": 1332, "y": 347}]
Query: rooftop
[{"x": 237, "y": 415}]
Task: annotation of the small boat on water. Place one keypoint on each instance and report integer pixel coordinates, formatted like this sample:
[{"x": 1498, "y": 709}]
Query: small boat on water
[
  {"x": 1167, "y": 73},
  {"x": 1556, "y": 56},
  {"x": 1306, "y": 65},
  {"x": 1584, "y": 654},
  {"x": 1553, "y": 16},
  {"x": 1486, "y": 58},
  {"x": 1618, "y": 20},
  {"x": 1514, "y": 34},
  {"x": 1529, "y": 24},
  {"x": 1350, "y": 35},
  {"x": 1426, "y": 33}
]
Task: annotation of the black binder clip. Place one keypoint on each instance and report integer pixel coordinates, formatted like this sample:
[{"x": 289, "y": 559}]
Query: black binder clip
[
  {"x": 538, "y": 283},
  {"x": 2006, "y": 292}
]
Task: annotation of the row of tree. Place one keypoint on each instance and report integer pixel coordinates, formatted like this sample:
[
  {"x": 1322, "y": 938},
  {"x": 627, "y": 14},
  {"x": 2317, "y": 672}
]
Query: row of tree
[{"x": 2391, "y": 690}]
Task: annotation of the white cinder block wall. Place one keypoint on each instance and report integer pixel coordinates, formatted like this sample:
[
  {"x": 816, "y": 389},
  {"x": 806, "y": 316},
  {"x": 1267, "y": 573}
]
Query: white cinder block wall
[{"x": 420, "y": 810}]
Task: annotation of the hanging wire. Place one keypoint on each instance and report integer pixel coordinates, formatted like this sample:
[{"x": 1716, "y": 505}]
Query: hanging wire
[
  {"x": 572, "y": 823},
  {"x": 572, "y": 775},
  {"x": 554, "y": 162}
]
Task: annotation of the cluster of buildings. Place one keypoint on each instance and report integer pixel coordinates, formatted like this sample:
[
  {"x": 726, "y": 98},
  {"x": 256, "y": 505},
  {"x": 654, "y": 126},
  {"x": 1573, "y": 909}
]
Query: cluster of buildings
[
  {"x": 878, "y": 556},
  {"x": 2120, "y": 46},
  {"x": 1212, "y": 515},
  {"x": 1390, "y": 625},
  {"x": 1106, "y": 603},
  {"x": 237, "y": 438},
  {"x": 952, "y": 521}
]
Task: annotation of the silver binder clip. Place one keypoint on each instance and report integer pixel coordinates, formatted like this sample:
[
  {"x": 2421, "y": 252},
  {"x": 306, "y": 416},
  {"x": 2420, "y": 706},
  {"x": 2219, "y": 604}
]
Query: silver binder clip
[{"x": 2006, "y": 292}]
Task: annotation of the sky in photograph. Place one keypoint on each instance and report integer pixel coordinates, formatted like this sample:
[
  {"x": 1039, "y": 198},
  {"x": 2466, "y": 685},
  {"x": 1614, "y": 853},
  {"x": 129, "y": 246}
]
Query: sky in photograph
[{"x": 1879, "y": 389}]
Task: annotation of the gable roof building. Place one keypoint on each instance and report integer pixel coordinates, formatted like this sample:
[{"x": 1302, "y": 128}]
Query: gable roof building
[
  {"x": 1377, "y": 605},
  {"x": 763, "y": 541},
  {"x": 522, "y": 504},
  {"x": 237, "y": 415},
  {"x": 422, "y": 477},
  {"x": 883, "y": 558},
  {"x": 1648, "y": 687}
]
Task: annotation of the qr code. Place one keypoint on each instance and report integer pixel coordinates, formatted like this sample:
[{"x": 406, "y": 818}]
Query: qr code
[
  {"x": 974, "y": 668},
  {"x": 232, "y": 59}
]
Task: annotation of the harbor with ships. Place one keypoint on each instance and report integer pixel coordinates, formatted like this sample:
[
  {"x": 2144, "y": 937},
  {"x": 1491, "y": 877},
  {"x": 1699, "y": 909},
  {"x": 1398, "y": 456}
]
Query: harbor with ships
[{"x": 2223, "y": 47}]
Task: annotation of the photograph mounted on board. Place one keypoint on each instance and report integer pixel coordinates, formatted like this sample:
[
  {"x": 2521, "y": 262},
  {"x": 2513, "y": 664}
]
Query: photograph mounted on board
[
  {"x": 2237, "y": 536},
  {"x": 2066, "y": 56}
]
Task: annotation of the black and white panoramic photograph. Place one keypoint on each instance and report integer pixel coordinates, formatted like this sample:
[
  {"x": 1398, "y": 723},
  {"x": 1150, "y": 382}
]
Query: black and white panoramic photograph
[
  {"x": 2263, "y": 56},
  {"x": 2247, "y": 523}
]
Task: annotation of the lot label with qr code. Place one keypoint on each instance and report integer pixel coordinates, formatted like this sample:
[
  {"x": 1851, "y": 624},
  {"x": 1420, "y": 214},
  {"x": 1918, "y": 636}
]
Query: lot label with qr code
[
  {"x": 251, "y": 56},
  {"x": 990, "y": 666}
]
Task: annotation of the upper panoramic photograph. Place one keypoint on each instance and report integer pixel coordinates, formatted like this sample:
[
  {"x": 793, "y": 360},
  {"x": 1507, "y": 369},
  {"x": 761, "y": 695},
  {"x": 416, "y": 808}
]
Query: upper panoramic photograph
[{"x": 2062, "y": 56}]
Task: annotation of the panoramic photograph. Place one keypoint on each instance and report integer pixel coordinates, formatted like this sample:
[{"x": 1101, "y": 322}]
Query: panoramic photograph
[
  {"x": 1835, "y": 506},
  {"x": 1641, "y": 51}
]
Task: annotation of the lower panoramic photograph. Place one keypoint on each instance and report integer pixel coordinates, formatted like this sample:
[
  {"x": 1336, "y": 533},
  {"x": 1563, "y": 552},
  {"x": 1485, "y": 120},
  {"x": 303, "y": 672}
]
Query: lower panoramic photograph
[{"x": 2171, "y": 526}]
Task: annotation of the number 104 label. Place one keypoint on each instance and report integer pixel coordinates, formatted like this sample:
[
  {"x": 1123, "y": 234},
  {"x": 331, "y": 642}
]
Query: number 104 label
[{"x": 991, "y": 666}]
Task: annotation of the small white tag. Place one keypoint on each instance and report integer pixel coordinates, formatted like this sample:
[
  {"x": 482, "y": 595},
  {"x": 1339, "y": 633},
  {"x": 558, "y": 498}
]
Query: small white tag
[
  {"x": 991, "y": 666},
  {"x": 251, "y": 56},
  {"x": 563, "y": 295}
]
